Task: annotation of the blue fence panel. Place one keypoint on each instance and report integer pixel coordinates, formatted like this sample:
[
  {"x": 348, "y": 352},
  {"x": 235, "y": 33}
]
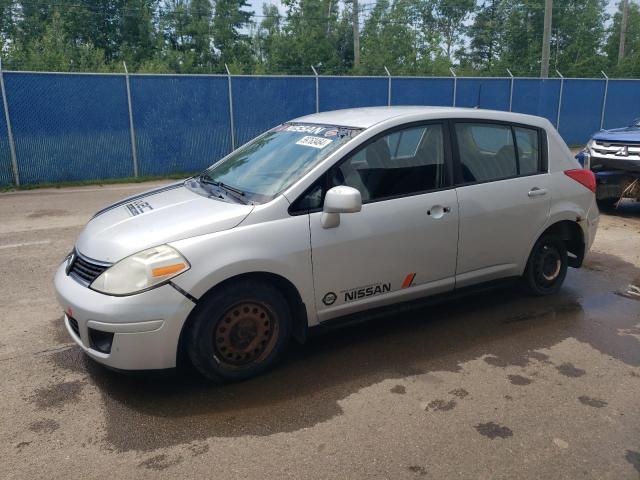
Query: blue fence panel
[
  {"x": 623, "y": 103},
  {"x": 181, "y": 122},
  {"x": 352, "y": 92},
  {"x": 260, "y": 103},
  {"x": 6, "y": 172},
  {"x": 580, "y": 110},
  {"x": 536, "y": 97},
  {"x": 422, "y": 91},
  {"x": 69, "y": 127},
  {"x": 76, "y": 127},
  {"x": 491, "y": 93}
]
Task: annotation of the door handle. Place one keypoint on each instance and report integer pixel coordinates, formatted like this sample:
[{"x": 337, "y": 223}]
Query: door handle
[
  {"x": 537, "y": 192},
  {"x": 438, "y": 211}
]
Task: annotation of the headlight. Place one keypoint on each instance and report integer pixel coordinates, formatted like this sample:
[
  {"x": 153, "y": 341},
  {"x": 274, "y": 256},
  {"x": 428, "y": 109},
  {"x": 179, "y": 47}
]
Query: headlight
[
  {"x": 589, "y": 145},
  {"x": 141, "y": 271}
]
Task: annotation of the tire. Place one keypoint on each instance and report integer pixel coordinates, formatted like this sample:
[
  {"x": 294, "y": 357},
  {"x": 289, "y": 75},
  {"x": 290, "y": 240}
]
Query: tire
[
  {"x": 239, "y": 332},
  {"x": 547, "y": 266}
]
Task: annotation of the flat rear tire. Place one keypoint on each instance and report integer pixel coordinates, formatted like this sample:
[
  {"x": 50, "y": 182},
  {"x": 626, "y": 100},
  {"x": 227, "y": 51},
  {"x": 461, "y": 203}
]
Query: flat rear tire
[{"x": 547, "y": 266}]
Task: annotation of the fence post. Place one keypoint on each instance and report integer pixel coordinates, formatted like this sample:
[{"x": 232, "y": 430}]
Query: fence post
[
  {"x": 455, "y": 85},
  {"x": 510, "y": 90},
  {"x": 132, "y": 131},
  {"x": 604, "y": 100},
  {"x": 317, "y": 89},
  {"x": 231, "y": 119},
  {"x": 389, "y": 87},
  {"x": 12, "y": 145},
  {"x": 559, "y": 100}
]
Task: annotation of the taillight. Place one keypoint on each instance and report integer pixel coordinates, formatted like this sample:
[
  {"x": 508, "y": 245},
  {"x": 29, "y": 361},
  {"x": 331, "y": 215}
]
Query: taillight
[{"x": 583, "y": 177}]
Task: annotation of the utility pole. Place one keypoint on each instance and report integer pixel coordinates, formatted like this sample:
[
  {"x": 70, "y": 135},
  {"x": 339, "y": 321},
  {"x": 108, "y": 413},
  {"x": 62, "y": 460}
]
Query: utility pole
[
  {"x": 356, "y": 34},
  {"x": 623, "y": 29},
  {"x": 546, "y": 38}
]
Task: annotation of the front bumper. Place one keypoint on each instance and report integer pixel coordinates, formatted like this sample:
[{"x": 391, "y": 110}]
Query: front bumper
[
  {"x": 146, "y": 326},
  {"x": 631, "y": 165}
]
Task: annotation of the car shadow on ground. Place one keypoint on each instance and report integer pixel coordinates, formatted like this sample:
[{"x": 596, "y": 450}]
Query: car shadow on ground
[{"x": 145, "y": 412}]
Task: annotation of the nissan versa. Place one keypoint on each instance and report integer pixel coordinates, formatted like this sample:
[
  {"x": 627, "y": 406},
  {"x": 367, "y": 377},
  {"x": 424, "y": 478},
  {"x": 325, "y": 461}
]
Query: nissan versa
[{"x": 324, "y": 217}]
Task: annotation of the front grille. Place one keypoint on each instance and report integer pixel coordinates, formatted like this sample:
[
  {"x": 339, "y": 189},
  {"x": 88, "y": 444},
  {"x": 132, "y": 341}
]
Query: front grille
[
  {"x": 74, "y": 325},
  {"x": 619, "y": 150},
  {"x": 85, "y": 270}
]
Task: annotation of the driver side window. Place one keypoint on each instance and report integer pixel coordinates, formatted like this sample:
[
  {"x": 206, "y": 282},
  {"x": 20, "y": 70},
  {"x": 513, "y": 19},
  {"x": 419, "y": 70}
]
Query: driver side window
[{"x": 404, "y": 162}]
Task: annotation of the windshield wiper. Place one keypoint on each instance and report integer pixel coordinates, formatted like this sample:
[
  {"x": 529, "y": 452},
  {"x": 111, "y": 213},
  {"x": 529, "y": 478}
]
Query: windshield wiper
[{"x": 238, "y": 194}]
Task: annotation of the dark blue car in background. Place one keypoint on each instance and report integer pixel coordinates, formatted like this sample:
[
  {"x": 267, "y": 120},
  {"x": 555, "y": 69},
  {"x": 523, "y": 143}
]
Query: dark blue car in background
[{"x": 614, "y": 156}]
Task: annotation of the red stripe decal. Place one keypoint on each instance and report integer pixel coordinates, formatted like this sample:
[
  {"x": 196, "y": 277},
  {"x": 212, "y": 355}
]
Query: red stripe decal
[{"x": 408, "y": 280}]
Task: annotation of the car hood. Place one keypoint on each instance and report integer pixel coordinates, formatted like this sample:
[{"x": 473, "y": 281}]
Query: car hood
[
  {"x": 155, "y": 217},
  {"x": 626, "y": 134}
]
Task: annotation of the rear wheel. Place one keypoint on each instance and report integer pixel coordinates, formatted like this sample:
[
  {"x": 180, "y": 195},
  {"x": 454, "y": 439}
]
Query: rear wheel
[
  {"x": 547, "y": 266},
  {"x": 239, "y": 332}
]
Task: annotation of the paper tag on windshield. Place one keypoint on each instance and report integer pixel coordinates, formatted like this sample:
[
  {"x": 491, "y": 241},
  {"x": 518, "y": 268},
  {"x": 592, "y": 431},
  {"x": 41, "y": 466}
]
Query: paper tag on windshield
[{"x": 315, "y": 142}]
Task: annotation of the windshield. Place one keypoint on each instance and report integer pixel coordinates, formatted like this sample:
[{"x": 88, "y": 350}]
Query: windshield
[{"x": 270, "y": 163}]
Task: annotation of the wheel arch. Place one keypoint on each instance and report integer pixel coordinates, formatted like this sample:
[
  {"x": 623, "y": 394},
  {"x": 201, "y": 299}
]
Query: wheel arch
[{"x": 572, "y": 235}]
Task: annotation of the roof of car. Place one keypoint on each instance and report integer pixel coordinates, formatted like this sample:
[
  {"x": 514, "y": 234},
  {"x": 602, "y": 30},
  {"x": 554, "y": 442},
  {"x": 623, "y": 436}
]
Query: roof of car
[{"x": 368, "y": 116}]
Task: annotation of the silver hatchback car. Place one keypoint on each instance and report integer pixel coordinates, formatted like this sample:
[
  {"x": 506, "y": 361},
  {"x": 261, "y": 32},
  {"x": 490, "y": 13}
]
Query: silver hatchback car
[{"x": 320, "y": 218}]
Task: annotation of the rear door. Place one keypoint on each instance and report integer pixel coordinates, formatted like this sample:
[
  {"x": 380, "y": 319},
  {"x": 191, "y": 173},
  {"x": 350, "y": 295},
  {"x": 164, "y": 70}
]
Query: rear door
[{"x": 503, "y": 195}]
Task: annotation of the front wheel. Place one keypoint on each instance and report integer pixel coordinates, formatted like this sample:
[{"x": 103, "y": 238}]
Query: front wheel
[
  {"x": 547, "y": 266},
  {"x": 239, "y": 331}
]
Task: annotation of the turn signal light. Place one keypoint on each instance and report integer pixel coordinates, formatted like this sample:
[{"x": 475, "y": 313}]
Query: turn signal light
[
  {"x": 168, "y": 270},
  {"x": 583, "y": 177}
]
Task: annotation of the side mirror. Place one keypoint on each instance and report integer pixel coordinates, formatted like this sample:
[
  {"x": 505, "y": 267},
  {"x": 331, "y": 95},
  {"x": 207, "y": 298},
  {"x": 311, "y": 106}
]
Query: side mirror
[{"x": 341, "y": 199}]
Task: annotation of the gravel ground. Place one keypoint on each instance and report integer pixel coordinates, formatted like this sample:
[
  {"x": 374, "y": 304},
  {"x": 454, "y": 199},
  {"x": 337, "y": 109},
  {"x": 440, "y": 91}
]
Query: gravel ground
[{"x": 495, "y": 386}]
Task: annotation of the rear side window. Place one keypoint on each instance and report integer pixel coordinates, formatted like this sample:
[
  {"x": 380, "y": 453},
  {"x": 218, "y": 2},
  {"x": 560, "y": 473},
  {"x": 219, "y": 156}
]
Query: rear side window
[
  {"x": 528, "y": 150},
  {"x": 486, "y": 152}
]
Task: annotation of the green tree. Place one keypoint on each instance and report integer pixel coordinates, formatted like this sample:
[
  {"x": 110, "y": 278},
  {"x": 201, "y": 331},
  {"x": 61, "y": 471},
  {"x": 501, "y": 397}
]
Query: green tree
[
  {"x": 579, "y": 33},
  {"x": 630, "y": 66},
  {"x": 233, "y": 46},
  {"x": 55, "y": 51},
  {"x": 311, "y": 34},
  {"x": 265, "y": 33},
  {"x": 448, "y": 18},
  {"x": 137, "y": 31},
  {"x": 485, "y": 37},
  {"x": 390, "y": 38}
]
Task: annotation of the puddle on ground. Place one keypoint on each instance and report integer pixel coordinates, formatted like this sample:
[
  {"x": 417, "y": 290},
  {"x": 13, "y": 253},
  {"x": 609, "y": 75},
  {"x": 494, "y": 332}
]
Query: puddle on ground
[
  {"x": 57, "y": 395},
  {"x": 493, "y": 430},
  {"x": 147, "y": 412}
]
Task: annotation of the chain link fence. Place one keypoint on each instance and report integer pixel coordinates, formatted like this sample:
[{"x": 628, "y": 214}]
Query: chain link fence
[{"x": 61, "y": 127}]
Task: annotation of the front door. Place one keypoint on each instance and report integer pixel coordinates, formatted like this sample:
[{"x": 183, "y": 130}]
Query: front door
[{"x": 403, "y": 243}]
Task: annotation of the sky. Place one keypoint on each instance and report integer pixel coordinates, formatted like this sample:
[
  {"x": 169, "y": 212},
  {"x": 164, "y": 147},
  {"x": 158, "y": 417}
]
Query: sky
[{"x": 256, "y": 5}]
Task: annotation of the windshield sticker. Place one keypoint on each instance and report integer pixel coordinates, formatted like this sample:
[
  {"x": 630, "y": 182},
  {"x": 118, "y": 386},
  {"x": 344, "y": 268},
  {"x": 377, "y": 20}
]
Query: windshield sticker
[
  {"x": 313, "y": 129},
  {"x": 315, "y": 142},
  {"x": 306, "y": 129},
  {"x": 331, "y": 133}
]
